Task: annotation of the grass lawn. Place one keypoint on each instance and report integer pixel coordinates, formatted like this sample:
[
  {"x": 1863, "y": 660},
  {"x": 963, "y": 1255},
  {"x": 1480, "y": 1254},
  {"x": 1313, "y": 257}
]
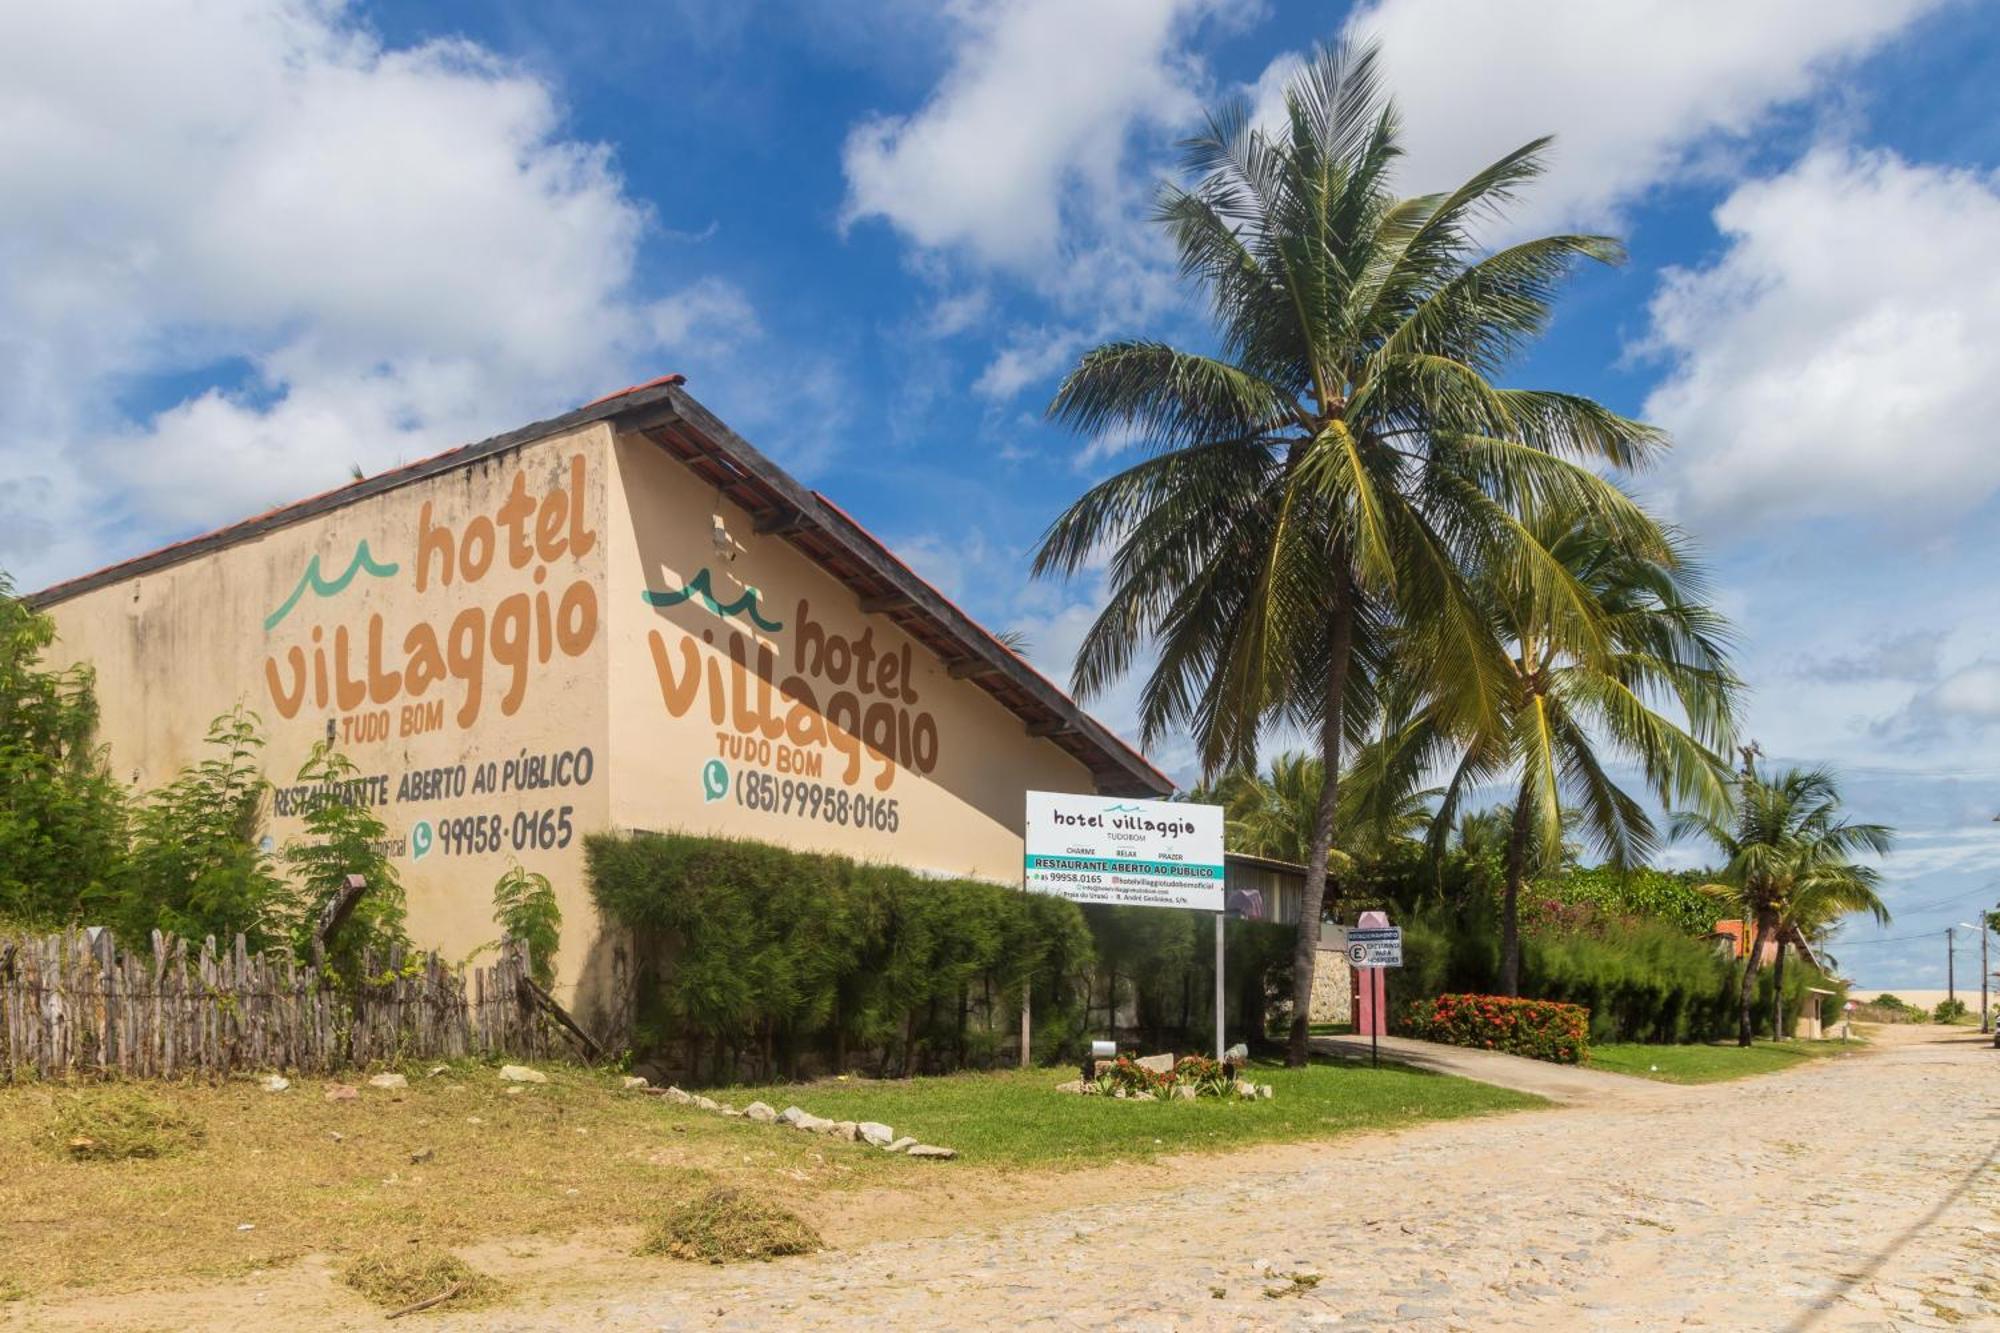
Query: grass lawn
[
  {"x": 1012, "y": 1119},
  {"x": 457, "y": 1158},
  {"x": 1713, "y": 1062}
]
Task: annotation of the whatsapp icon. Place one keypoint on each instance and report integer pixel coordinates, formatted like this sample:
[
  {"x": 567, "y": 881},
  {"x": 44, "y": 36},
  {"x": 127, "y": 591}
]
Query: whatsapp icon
[
  {"x": 714, "y": 780},
  {"x": 420, "y": 839}
]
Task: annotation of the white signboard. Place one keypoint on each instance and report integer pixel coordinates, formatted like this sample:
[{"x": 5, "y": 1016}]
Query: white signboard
[
  {"x": 1375, "y": 946},
  {"x": 1111, "y": 849}
]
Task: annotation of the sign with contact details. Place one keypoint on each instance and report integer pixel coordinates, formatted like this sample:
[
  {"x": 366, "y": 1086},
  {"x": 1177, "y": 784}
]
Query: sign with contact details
[{"x": 1111, "y": 849}]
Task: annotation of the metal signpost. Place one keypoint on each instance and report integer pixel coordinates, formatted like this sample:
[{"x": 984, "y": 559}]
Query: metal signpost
[
  {"x": 1374, "y": 947},
  {"x": 1114, "y": 849}
]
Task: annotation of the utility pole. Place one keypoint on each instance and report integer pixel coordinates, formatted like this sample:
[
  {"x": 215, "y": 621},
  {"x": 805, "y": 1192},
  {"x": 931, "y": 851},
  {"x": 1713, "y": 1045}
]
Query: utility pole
[
  {"x": 1951, "y": 962},
  {"x": 1985, "y": 1020}
]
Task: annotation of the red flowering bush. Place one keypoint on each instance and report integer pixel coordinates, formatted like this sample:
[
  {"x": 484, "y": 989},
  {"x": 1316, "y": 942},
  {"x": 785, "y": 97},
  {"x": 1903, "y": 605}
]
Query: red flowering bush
[{"x": 1538, "y": 1029}]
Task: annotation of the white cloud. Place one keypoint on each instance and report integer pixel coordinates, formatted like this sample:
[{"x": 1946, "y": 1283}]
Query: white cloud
[
  {"x": 388, "y": 250},
  {"x": 1030, "y": 355},
  {"x": 1637, "y": 93},
  {"x": 1030, "y": 125},
  {"x": 1836, "y": 360}
]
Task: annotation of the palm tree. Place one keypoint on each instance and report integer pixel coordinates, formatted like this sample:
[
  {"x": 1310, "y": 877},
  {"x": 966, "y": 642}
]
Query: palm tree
[
  {"x": 1272, "y": 813},
  {"x": 1784, "y": 837},
  {"x": 1578, "y": 693},
  {"x": 1820, "y": 898},
  {"x": 1343, "y": 458}
]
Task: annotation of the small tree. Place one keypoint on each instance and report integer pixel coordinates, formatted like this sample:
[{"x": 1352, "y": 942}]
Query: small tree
[
  {"x": 196, "y": 868},
  {"x": 62, "y": 817},
  {"x": 524, "y": 907},
  {"x": 342, "y": 838}
]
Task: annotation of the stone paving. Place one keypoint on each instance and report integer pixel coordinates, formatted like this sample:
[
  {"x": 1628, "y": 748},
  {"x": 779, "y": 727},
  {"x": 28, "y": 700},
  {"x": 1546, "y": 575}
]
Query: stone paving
[{"x": 1859, "y": 1193}]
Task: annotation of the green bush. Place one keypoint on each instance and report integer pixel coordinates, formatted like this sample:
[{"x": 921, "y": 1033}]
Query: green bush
[
  {"x": 524, "y": 907},
  {"x": 1949, "y": 1011},
  {"x": 343, "y": 837},
  {"x": 1538, "y": 1029},
  {"x": 1669, "y": 896},
  {"x": 62, "y": 816},
  {"x": 758, "y": 956},
  {"x": 196, "y": 868},
  {"x": 1642, "y": 978}
]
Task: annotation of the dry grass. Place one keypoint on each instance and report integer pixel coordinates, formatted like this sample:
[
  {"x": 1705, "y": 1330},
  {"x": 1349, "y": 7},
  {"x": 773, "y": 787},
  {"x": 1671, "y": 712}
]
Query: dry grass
[
  {"x": 119, "y": 1124},
  {"x": 727, "y": 1225},
  {"x": 281, "y": 1175},
  {"x": 397, "y": 1279}
]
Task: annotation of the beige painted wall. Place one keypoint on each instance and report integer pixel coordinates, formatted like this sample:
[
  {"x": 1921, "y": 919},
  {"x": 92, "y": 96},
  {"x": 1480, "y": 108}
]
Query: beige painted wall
[
  {"x": 939, "y": 789},
  {"x": 942, "y": 761},
  {"x": 483, "y": 679}
]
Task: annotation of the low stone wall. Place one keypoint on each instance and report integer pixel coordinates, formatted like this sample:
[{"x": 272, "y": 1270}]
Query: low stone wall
[{"x": 1333, "y": 988}]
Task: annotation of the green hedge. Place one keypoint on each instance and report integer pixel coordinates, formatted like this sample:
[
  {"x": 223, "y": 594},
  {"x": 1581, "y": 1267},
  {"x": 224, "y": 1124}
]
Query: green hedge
[
  {"x": 1643, "y": 979},
  {"x": 757, "y": 960}
]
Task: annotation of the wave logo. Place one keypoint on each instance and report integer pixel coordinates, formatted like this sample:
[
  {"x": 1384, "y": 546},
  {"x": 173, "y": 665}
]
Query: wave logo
[
  {"x": 698, "y": 586},
  {"x": 363, "y": 561},
  {"x": 1121, "y": 809}
]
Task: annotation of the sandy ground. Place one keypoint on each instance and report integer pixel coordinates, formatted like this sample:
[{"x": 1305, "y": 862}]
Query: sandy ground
[{"x": 1823, "y": 1197}]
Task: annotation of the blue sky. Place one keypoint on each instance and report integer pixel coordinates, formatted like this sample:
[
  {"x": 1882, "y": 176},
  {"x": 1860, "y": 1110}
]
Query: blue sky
[{"x": 243, "y": 245}]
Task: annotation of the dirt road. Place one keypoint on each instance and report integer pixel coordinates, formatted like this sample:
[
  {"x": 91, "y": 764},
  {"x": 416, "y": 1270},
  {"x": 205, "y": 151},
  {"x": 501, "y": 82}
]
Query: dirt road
[
  {"x": 1853, "y": 1193},
  {"x": 1859, "y": 1192}
]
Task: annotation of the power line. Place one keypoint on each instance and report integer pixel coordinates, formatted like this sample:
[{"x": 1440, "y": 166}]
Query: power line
[{"x": 1897, "y": 939}]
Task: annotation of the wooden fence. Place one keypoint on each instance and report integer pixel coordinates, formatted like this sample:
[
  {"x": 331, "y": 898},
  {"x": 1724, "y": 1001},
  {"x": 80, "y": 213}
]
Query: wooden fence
[{"x": 75, "y": 1004}]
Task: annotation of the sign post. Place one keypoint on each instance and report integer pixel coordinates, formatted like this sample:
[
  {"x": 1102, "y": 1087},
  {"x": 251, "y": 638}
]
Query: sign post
[
  {"x": 1371, "y": 948},
  {"x": 1133, "y": 853}
]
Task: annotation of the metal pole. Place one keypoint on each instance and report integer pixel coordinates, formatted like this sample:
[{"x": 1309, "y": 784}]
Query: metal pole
[
  {"x": 1985, "y": 1019},
  {"x": 1374, "y": 1018},
  {"x": 1220, "y": 917},
  {"x": 1951, "y": 962}
]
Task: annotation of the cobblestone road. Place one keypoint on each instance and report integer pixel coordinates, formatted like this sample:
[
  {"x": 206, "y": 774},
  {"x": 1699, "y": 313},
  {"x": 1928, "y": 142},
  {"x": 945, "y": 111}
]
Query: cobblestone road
[{"x": 1855, "y": 1193}]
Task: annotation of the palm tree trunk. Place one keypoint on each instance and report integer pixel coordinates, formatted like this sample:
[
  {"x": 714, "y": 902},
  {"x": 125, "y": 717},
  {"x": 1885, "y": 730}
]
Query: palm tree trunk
[
  {"x": 1312, "y": 899},
  {"x": 1510, "y": 902},
  {"x": 1747, "y": 995},
  {"x": 1778, "y": 994}
]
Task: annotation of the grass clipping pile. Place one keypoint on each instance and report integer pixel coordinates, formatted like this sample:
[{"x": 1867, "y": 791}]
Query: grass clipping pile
[
  {"x": 412, "y": 1279},
  {"x": 725, "y": 1226},
  {"x": 120, "y": 1124}
]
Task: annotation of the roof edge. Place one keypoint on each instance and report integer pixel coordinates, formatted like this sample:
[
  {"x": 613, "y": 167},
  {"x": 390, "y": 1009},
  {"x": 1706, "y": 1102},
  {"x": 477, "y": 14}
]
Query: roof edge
[{"x": 624, "y": 401}]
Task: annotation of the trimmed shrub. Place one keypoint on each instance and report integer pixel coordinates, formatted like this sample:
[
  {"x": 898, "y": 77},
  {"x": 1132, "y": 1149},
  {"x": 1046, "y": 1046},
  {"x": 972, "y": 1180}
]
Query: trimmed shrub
[
  {"x": 1538, "y": 1029},
  {"x": 758, "y": 958}
]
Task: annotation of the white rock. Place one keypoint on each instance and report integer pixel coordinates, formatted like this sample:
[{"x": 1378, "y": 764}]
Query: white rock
[
  {"x": 928, "y": 1151},
  {"x": 707, "y": 1104},
  {"x": 435, "y": 1070},
  {"x": 1184, "y": 1092},
  {"x": 903, "y": 1144},
  {"x": 813, "y": 1124},
  {"x": 633, "y": 1081},
  {"x": 1159, "y": 1064},
  {"x": 1074, "y": 1085},
  {"x": 1144, "y": 1097},
  {"x": 791, "y": 1115},
  {"x": 1266, "y": 1092},
  {"x": 731, "y": 1111},
  {"x": 678, "y": 1096},
  {"x": 388, "y": 1081},
  {"x": 521, "y": 1074},
  {"x": 876, "y": 1133},
  {"x": 759, "y": 1112},
  {"x": 276, "y": 1083}
]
